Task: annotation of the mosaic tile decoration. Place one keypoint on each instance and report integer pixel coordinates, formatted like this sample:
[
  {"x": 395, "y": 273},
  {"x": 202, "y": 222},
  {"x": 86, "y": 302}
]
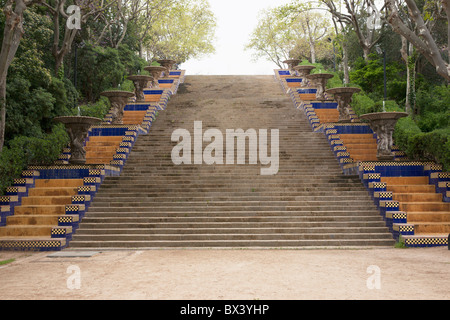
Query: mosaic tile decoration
[
  {"x": 92, "y": 175},
  {"x": 33, "y": 245}
]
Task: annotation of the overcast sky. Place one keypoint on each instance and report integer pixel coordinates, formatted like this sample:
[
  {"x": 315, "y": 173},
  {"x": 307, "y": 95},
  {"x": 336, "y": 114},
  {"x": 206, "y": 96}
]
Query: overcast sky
[{"x": 236, "y": 20}]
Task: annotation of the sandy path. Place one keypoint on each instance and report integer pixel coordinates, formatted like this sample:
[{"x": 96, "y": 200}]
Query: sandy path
[{"x": 230, "y": 274}]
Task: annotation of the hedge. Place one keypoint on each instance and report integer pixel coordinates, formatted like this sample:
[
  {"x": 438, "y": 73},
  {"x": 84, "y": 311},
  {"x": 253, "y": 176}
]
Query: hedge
[{"x": 24, "y": 151}]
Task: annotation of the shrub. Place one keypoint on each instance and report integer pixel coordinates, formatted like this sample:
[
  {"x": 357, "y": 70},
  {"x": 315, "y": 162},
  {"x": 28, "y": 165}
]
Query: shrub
[
  {"x": 423, "y": 146},
  {"x": 23, "y": 151},
  {"x": 362, "y": 103},
  {"x": 97, "y": 110}
]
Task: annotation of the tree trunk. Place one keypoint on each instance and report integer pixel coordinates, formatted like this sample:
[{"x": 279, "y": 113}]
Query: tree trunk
[
  {"x": 12, "y": 35},
  {"x": 366, "y": 52},
  {"x": 345, "y": 63},
  {"x": 405, "y": 57},
  {"x": 2, "y": 112}
]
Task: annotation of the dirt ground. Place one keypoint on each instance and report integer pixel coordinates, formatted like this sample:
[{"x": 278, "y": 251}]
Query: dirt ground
[{"x": 229, "y": 274}]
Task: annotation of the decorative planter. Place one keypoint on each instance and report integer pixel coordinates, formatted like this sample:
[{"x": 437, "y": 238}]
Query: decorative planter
[
  {"x": 156, "y": 72},
  {"x": 319, "y": 80},
  {"x": 78, "y": 127},
  {"x": 118, "y": 100},
  {"x": 303, "y": 71},
  {"x": 383, "y": 124},
  {"x": 140, "y": 83},
  {"x": 343, "y": 97},
  {"x": 167, "y": 63},
  {"x": 291, "y": 64}
]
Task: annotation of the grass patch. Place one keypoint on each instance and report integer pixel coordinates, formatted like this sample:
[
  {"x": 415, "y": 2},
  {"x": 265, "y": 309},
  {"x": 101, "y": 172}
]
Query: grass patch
[
  {"x": 2, "y": 263},
  {"x": 400, "y": 244}
]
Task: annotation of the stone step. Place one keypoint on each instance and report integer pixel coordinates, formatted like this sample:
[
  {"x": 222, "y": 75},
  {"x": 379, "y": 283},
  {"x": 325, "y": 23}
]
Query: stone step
[
  {"x": 235, "y": 235},
  {"x": 40, "y": 210},
  {"x": 431, "y": 227},
  {"x": 401, "y": 181},
  {"x": 36, "y": 219},
  {"x": 212, "y": 191},
  {"x": 428, "y": 216},
  {"x": 26, "y": 230},
  {"x": 249, "y": 195},
  {"x": 348, "y": 214},
  {"x": 100, "y": 199},
  {"x": 58, "y": 183},
  {"x": 193, "y": 224},
  {"x": 276, "y": 243},
  {"x": 417, "y": 197},
  {"x": 411, "y": 188},
  {"x": 46, "y": 200},
  {"x": 425, "y": 206},
  {"x": 286, "y": 205},
  {"x": 53, "y": 192}
]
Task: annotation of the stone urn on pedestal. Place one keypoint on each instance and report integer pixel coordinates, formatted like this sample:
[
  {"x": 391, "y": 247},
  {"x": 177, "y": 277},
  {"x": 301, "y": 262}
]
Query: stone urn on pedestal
[
  {"x": 156, "y": 72},
  {"x": 77, "y": 128},
  {"x": 291, "y": 63},
  {"x": 140, "y": 83},
  {"x": 118, "y": 100},
  {"x": 343, "y": 97},
  {"x": 319, "y": 80},
  {"x": 383, "y": 124},
  {"x": 303, "y": 72},
  {"x": 168, "y": 64}
]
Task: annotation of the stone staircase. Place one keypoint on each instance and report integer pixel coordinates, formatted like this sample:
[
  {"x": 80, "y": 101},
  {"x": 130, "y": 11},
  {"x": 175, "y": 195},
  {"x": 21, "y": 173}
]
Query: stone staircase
[
  {"x": 155, "y": 203},
  {"x": 411, "y": 196}
]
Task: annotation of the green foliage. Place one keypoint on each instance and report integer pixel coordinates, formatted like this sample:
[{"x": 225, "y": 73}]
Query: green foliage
[
  {"x": 433, "y": 105},
  {"x": 127, "y": 85},
  {"x": 97, "y": 110},
  {"x": 98, "y": 69},
  {"x": 24, "y": 151},
  {"x": 370, "y": 77},
  {"x": 334, "y": 82},
  {"x": 362, "y": 103},
  {"x": 132, "y": 63},
  {"x": 423, "y": 146}
]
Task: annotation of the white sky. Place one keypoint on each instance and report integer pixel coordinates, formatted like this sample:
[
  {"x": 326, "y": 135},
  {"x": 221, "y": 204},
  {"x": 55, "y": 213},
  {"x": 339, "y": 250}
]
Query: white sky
[{"x": 236, "y": 20}]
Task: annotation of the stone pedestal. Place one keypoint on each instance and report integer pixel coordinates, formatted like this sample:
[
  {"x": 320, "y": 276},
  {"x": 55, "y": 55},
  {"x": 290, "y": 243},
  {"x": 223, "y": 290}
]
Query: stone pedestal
[
  {"x": 343, "y": 97},
  {"x": 118, "y": 100},
  {"x": 319, "y": 81},
  {"x": 140, "y": 83},
  {"x": 156, "y": 72},
  {"x": 78, "y": 127},
  {"x": 383, "y": 124}
]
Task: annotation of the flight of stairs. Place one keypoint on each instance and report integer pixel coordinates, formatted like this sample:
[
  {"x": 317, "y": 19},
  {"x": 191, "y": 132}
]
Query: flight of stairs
[
  {"x": 411, "y": 196},
  {"x": 154, "y": 203},
  {"x": 42, "y": 209}
]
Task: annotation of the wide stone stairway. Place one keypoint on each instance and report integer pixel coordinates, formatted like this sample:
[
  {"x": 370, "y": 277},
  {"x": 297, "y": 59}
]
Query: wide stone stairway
[{"x": 155, "y": 203}]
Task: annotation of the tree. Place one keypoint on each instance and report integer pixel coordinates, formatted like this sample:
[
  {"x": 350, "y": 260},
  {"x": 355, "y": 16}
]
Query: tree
[
  {"x": 363, "y": 16},
  {"x": 184, "y": 32},
  {"x": 291, "y": 32},
  {"x": 418, "y": 31},
  {"x": 312, "y": 29},
  {"x": 12, "y": 34},
  {"x": 57, "y": 9},
  {"x": 273, "y": 38}
]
